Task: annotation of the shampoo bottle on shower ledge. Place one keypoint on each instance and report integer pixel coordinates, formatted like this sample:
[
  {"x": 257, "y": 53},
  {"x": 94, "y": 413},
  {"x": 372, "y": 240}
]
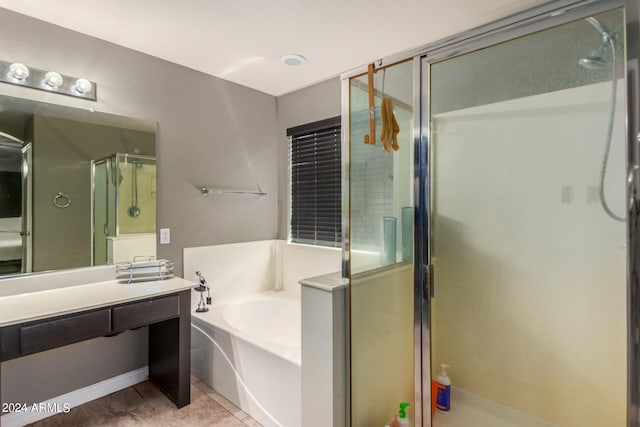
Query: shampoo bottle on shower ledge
[
  {"x": 403, "y": 421},
  {"x": 443, "y": 398},
  {"x": 400, "y": 419}
]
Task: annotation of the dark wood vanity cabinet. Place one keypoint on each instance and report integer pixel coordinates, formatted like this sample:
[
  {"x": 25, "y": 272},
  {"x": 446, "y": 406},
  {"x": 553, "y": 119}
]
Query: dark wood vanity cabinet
[
  {"x": 168, "y": 318},
  {"x": 40, "y": 335},
  {"x": 143, "y": 313},
  {"x": 48, "y": 334}
]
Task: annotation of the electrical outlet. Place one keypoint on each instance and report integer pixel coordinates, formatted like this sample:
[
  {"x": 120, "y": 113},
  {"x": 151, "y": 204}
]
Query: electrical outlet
[
  {"x": 165, "y": 236},
  {"x": 593, "y": 194},
  {"x": 567, "y": 194}
]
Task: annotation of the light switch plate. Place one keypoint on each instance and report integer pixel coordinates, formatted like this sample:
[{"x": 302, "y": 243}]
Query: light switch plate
[{"x": 165, "y": 236}]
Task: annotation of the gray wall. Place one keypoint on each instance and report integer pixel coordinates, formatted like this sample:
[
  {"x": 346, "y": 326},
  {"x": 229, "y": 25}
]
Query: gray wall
[
  {"x": 307, "y": 105},
  {"x": 210, "y": 132}
]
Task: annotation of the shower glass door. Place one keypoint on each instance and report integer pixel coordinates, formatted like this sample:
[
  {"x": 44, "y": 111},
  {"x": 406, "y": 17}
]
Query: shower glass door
[
  {"x": 381, "y": 221},
  {"x": 100, "y": 181},
  {"x": 528, "y": 228}
]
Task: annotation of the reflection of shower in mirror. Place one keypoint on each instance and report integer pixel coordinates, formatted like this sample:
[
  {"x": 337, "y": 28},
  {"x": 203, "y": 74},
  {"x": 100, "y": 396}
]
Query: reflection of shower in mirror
[
  {"x": 134, "y": 210},
  {"x": 14, "y": 231},
  {"x": 124, "y": 197}
]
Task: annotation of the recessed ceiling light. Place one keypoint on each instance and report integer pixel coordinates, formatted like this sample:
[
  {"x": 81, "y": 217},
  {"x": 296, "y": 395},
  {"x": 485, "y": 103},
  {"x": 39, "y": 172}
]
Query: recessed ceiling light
[{"x": 293, "y": 59}]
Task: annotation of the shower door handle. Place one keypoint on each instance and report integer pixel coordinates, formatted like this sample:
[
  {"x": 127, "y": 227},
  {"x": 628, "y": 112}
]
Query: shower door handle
[
  {"x": 428, "y": 287},
  {"x": 632, "y": 183}
]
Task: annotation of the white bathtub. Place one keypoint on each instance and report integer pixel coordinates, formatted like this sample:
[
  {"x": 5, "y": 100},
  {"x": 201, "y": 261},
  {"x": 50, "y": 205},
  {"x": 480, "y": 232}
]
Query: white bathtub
[
  {"x": 260, "y": 337},
  {"x": 256, "y": 321}
]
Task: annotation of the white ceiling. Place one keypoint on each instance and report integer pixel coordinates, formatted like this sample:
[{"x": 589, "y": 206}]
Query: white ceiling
[{"x": 242, "y": 40}]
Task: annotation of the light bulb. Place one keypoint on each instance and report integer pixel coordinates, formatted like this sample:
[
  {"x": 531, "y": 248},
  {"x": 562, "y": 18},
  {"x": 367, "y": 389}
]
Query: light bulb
[
  {"x": 52, "y": 80},
  {"x": 82, "y": 86},
  {"x": 18, "y": 72}
]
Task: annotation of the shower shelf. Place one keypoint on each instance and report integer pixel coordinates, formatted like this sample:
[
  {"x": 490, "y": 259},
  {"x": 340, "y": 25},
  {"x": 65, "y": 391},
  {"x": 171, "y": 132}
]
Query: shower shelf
[{"x": 141, "y": 271}]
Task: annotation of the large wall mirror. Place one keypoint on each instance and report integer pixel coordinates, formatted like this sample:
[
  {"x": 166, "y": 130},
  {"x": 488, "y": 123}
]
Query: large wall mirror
[{"x": 77, "y": 188}]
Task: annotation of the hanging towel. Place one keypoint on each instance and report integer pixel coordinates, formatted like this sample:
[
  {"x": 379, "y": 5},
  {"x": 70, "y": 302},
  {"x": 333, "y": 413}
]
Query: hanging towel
[{"x": 390, "y": 128}]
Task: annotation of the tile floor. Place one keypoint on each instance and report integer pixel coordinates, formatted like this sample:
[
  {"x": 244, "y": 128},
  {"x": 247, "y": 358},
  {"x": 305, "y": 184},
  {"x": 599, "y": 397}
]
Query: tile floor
[{"x": 145, "y": 405}]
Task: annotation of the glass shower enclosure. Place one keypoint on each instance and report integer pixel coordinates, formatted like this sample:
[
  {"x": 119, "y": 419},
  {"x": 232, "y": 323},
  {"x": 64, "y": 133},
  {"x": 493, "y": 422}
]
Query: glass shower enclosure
[
  {"x": 527, "y": 238},
  {"x": 380, "y": 241},
  {"x": 522, "y": 178},
  {"x": 124, "y": 207}
]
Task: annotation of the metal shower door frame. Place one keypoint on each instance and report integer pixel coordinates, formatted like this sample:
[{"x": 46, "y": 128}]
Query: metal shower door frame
[
  {"x": 546, "y": 16},
  {"x": 94, "y": 164},
  {"x": 27, "y": 208}
]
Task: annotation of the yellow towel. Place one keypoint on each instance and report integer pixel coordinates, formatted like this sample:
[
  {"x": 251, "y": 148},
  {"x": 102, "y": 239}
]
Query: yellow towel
[{"x": 390, "y": 128}]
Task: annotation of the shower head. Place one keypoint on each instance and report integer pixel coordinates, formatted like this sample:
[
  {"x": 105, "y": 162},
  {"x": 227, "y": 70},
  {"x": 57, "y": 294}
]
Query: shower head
[
  {"x": 593, "y": 61},
  {"x": 596, "y": 60}
]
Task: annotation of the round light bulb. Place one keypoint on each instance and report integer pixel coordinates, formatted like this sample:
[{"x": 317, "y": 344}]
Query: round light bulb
[
  {"x": 82, "y": 86},
  {"x": 18, "y": 72},
  {"x": 52, "y": 80}
]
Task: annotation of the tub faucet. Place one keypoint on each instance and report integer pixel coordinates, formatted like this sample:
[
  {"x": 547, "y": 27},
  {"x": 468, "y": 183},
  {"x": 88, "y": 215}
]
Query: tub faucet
[{"x": 202, "y": 287}]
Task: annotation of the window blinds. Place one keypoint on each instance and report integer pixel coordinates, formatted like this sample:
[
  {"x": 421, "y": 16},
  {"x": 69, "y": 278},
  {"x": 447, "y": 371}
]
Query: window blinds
[{"x": 315, "y": 182}]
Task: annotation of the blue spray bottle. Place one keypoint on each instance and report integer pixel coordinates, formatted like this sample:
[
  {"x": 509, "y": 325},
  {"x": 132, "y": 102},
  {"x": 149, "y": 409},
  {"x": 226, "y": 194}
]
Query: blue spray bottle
[{"x": 443, "y": 399}]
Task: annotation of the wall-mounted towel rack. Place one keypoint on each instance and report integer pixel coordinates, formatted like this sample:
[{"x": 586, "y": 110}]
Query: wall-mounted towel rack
[{"x": 208, "y": 190}]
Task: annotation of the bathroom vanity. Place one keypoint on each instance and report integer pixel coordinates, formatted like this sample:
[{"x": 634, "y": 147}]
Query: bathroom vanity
[{"x": 41, "y": 320}]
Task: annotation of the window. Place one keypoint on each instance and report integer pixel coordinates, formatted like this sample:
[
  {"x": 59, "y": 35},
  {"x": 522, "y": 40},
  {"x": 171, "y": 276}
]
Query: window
[{"x": 315, "y": 162}]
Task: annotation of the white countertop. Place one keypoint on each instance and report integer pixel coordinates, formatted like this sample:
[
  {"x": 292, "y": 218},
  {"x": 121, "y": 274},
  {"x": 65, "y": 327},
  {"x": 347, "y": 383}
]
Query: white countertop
[
  {"x": 327, "y": 282},
  {"x": 30, "y": 306}
]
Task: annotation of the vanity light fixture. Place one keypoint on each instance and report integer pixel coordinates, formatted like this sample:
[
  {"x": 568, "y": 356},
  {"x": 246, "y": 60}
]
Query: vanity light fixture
[
  {"x": 18, "y": 72},
  {"x": 51, "y": 81},
  {"x": 292, "y": 59},
  {"x": 82, "y": 86}
]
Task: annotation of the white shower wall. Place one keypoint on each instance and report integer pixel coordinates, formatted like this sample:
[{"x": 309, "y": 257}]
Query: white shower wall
[{"x": 530, "y": 292}]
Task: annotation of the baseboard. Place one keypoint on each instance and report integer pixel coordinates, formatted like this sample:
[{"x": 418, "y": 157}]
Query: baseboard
[{"x": 64, "y": 402}]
